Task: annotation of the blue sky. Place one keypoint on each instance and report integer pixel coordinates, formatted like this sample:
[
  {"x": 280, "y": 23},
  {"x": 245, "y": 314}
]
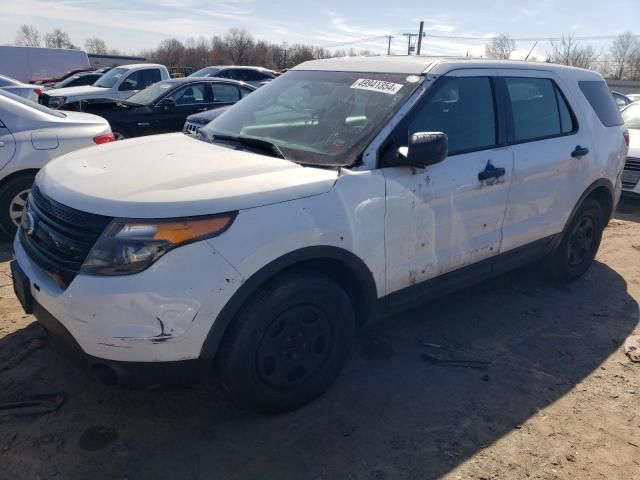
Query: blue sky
[{"x": 134, "y": 25}]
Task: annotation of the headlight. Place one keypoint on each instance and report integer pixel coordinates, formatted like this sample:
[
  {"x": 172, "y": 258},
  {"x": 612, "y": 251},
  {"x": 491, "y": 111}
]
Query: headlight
[
  {"x": 56, "y": 102},
  {"x": 130, "y": 246}
]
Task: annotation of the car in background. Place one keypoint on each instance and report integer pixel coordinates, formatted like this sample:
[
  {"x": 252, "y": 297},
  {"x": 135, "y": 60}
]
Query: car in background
[
  {"x": 24, "y": 90},
  {"x": 30, "y": 136},
  {"x": 163, "y": 107},
  {"x": 634, "y": 97},
  {"x": 621, "y": 100},
  {"x": 78, "y": 80},
  {"x": 200, "y": 119},
  {"x": 118, "y": 84},
  {"x": 631, "y": 172},
  {"x": 255, "y": 76}
]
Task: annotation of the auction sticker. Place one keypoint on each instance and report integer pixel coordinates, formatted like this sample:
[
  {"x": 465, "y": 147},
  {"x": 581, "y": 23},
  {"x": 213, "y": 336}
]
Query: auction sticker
[{"x": 377, "y": 86}]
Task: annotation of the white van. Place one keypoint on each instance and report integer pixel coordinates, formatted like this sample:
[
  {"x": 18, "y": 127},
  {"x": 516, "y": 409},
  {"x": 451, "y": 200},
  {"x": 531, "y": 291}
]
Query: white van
[
  {"x": 34, "y": 64},
  {"x": 346, "y": 189}
]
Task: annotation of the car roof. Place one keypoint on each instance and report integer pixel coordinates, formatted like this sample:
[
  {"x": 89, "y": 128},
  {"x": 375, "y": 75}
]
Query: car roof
[
  {"x": 420, "y": 64},
  {"x": 132, "y": 66},
  {"x": 182, "y": 80},
  {"x": 245, "y": 67}
]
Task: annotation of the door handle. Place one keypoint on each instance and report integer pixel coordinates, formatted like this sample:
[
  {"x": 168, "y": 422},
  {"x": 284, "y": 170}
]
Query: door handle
[
  {"x": 491, "y": 172},
  {"x": 579, "y": 152},
  {"x": 203, "y": 109}
]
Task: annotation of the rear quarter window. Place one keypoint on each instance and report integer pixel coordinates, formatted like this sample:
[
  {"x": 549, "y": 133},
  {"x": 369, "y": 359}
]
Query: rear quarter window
[{"x": 600, "y": 99}]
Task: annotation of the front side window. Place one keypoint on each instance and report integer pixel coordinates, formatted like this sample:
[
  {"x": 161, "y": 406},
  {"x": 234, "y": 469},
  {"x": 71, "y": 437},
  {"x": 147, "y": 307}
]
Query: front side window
[
  {"x": 317, "y": 117},
  {"x": 539, "y": 109},
  {"x": 463, "y": 108},
  {"x": 223, "y": 92},
  {"x": 228, "y": 73},
  {"x": 189, "y": 95},
  {"x": 140, "y": 79}
]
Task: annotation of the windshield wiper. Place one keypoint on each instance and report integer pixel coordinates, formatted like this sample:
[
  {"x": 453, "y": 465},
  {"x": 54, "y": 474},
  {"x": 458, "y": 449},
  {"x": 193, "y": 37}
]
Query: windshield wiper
[{"x": 252, "y": 142}]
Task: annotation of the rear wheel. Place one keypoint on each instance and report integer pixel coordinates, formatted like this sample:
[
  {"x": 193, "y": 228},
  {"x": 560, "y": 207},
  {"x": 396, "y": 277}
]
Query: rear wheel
[
  {"x": 579, "y": 244},
  {"x": 13, "y": 200},
  {"x": 288, "y": 344}
]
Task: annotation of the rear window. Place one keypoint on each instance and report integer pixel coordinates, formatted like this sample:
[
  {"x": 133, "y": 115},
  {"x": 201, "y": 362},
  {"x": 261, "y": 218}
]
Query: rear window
[{"x": 602, "y": 102}]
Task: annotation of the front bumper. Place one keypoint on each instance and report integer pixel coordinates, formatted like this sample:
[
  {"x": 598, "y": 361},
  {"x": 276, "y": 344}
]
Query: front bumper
[
  {"x": 157, "y": 315},
  {"x": 112, "y": 372}
]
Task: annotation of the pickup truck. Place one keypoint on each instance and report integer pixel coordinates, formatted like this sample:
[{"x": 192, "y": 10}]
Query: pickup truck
[{"x": 118, "y": 84}]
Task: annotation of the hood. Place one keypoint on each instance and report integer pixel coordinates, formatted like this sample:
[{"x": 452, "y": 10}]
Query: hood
[
  {"x": 76, "y": 91},
  {"x": 174, "y": 175},
  {"x": 634, "y": 143}
]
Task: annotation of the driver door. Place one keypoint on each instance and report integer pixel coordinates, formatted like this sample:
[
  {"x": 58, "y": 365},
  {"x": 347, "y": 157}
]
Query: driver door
[
  {"x": 192, "y": 98},
  {"x": 445, "y": 217}
]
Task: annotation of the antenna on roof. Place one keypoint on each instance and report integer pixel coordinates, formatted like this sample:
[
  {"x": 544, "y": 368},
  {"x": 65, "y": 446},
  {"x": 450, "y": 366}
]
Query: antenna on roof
[{"x": 534, "y": 46}]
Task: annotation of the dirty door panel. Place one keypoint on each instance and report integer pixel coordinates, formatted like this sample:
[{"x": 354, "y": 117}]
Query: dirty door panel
[{"x": 444, "y": 217}]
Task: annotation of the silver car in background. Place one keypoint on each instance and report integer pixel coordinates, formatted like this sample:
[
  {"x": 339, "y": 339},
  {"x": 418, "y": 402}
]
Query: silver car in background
[
  {"x": 24, "y": 90},
  {"x": 30, "y": 136}
]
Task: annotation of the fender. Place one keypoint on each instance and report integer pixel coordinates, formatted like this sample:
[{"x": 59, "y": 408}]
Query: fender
[
  {"x": 365, "y": 288},
  {"x": 602, "y": 182}
]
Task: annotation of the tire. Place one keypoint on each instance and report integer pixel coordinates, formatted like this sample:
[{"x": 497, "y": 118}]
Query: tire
[
  {"x": 288, "y": 343},
  {"x": 120, "y": 133},
  {"x": 13, "y": 196},
  {"x": 579, "y": 244}
]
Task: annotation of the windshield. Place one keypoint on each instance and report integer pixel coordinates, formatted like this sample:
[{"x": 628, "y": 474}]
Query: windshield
[
  {"x": 110, "y": 78},
  {"x": 321, "y": 118},
  {"x": 34, "y": 105},
  {"x": 631, "y": 116},
  {"x": 206, "y": 72},
  {"x": 152, "y": 93}
]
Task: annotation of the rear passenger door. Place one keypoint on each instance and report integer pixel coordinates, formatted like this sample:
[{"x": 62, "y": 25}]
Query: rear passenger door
[
  {"x": 224, "y": 94},
  {"x": 546, "y": 140},
  {"x": 445, "y": 217}
]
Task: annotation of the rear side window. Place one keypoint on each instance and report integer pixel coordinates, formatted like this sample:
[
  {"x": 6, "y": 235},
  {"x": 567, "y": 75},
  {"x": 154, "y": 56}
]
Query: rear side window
[
  {"x": 223, "y": 92},
  {"x": 600, "y": 99},
  {"x": 539, "y": 109}
]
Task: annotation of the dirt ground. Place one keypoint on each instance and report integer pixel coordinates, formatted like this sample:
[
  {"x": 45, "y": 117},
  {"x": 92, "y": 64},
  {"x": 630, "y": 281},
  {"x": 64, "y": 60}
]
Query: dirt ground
[{"x": 558, "y": 398}]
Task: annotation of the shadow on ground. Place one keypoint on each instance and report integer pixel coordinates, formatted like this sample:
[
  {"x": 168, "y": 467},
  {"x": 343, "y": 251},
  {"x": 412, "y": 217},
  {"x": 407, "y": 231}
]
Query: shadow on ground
[
  {"x": 390, "y": 415},
  {"x": 628, "y": 209}
]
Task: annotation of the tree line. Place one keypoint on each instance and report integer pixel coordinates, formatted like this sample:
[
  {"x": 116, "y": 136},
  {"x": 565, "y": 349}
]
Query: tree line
[{"x": 621, "y": 61}]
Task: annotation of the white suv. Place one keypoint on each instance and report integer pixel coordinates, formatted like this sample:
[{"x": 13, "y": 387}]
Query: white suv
[{"x": 341, "y": 191}]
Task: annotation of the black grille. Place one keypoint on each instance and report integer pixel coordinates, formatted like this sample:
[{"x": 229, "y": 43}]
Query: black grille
[
  {"x": 61, "y": 237},
  {"x": 631, "y": 173}
]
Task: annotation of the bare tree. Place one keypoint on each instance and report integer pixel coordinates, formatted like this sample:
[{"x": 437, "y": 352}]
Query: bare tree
[
  {"x": 623, "y": 50},
  {"x": 29, "y": 36},
  {"x": 566, "y": 51},
  {"x": 500, "y": 47},
  {"x": 58, "y": 39},
  {"x": 170, "y": 52},
  {"x": 238, "y": 44},
  {"x": 95, "y": 45}
]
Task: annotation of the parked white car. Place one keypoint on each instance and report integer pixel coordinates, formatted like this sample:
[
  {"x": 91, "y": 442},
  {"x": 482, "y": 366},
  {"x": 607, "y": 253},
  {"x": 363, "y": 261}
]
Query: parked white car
[
  {"x": 30, "y": 136},
  {"x": 118, "y": 84},
  {"x": 631, "y": 173},
  {"x": 24, "y": 90},
  {"x": 344, "y": 190}
]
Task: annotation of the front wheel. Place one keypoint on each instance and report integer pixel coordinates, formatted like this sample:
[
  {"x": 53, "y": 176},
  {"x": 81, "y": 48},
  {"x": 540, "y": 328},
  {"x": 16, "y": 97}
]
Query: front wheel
[
  {"x": 579, "y": 244},
  {"x": 13, "y": 200},
  {"x": 288, "y": 343}
]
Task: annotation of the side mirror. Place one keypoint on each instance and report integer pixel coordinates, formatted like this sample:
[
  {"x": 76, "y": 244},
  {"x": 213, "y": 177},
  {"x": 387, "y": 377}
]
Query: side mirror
[
  {"x": 126, "y": 86},
  {"x": 425, "y": 148},
  {"x": 166, "y": 104}
]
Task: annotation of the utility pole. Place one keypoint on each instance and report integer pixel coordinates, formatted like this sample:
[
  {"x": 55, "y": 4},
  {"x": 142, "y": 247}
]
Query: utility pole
[
  {"x": 285, "y": 59},
  {"x": 420, "y": 35},
  {"x": 389, "y": 47},
  {"x": 409, "y": 35}
]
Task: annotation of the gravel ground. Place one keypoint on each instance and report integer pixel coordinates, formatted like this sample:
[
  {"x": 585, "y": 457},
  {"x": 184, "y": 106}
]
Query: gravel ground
[{"x": 557, "y": 397}]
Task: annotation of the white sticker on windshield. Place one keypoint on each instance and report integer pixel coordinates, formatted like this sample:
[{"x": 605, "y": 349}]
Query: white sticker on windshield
[{"x": 377, "y": 86}]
